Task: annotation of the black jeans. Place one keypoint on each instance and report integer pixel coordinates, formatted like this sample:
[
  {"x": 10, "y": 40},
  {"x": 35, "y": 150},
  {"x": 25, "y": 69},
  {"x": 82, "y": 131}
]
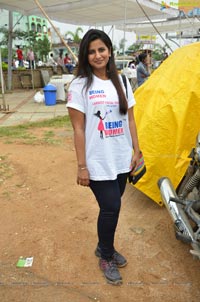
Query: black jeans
[{"x": 108, "y": 195}]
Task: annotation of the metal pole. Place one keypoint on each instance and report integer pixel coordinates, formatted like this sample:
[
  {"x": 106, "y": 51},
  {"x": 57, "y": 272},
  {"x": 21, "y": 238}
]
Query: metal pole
[
  {"x": 153, "y": 25},
  {"x": 32, "y": 73},
  {"x": 125, "y": 8},
  {"x": 2, "y": 84},
  {"x": 10, "y": 32}
]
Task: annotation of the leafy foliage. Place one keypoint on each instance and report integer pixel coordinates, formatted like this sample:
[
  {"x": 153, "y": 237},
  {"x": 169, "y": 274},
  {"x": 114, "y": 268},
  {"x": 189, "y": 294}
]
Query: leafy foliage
[
  {"x": 135, "y": 47},
  {"x": 157, "y": 53},
  {"x": 42, "y": 47},
  {"x": 122, "y": 44},
  {"x": 75, "y": 36},
  {"x": 30, "y": 37},
  {"x": 4, "y": 66},
  {"x": 15, "y": 34}
]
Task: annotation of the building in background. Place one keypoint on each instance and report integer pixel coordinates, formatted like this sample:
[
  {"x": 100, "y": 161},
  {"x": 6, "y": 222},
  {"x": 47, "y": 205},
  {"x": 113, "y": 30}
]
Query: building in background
[
  {"x": 25, "y": 23},
  {"x": 38, "y": 25}
]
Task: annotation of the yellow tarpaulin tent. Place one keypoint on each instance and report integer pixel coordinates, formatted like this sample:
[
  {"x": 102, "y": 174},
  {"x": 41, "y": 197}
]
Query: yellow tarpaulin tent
[{"x": 168, "y": 118}]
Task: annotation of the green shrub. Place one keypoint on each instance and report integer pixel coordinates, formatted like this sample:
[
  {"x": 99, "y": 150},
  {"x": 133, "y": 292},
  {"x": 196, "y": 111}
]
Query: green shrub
[
  {"x": 21, "y": 68},
  {"x": 4, "y": 66}
]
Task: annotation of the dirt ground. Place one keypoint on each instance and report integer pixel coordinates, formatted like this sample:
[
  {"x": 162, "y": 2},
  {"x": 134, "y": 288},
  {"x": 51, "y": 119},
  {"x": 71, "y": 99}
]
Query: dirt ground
[{"x": 45, "y": 215}]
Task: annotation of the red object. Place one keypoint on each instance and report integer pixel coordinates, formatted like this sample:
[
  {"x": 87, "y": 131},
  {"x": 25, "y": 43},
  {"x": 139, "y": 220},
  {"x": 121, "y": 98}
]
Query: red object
[
  {"x": 19, "y": 54},
  {"x": 67, "y": 60}
]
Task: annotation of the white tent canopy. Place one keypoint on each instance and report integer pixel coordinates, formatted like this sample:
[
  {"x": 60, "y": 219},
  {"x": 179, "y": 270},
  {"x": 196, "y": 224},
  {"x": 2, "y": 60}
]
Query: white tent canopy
[
  {"x": 90, "y": 12},
  {"x": 163, "y": 26}
]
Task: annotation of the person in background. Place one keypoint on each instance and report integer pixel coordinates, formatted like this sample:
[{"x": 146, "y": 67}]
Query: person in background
[
  {"x": 31, "y": 58},
  {"x": 20, "y": 56},
  {"x": 52, "y": 62},
  {"x": 104, "y": 135},
  {"x": 40, "y": 63},
  {"x": 13, "y": 66},
  {"x": 68, "y": 63},
  {"x": 132, "y": 64},
  {"x": 143, "y": 71},
  {"x": 60, "y": 62}
]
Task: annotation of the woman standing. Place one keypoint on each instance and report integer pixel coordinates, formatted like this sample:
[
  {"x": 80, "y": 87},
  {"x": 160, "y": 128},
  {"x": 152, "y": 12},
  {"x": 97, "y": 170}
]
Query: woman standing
[{"x": 97, "y": 93}]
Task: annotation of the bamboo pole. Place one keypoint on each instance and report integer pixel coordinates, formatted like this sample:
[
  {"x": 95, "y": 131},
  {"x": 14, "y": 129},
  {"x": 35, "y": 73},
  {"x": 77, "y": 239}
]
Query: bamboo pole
[{"x": 63, "y": 41}]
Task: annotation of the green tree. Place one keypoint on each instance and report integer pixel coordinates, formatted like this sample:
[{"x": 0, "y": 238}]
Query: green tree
[
  {"x": 157, "y": 53},
  {"x": 75, "y": 36},
  {"x": 4, "y": 53},
  {"x": 42, "y": 48},
  {"x": 31, "y": 38},
  {"x": 5, "y": 32},
  {"x": 122, "y": 45},
  {"x": 135, "y": 47}
]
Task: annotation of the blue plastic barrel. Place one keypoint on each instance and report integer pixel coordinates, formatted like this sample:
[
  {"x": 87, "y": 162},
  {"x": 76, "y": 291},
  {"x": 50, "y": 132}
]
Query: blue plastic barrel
[{"x": 50, "y": 95}]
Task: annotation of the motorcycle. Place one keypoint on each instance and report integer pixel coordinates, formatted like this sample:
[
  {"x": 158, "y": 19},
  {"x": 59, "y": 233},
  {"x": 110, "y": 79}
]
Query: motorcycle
[{"x": 183, "y": 204}]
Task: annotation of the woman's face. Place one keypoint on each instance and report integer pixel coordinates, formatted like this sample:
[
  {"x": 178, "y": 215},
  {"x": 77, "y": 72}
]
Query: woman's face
[{"x": 98, "y": 55}]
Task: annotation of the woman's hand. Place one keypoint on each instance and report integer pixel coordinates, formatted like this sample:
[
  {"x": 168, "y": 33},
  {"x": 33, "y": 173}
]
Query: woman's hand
[
  {"x": 135, "y": 162},
  {"x": 83, "y": 177}
]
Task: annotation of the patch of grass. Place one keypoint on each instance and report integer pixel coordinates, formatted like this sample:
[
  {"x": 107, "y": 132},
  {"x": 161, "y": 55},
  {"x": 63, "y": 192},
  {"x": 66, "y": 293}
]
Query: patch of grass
[
  {"x": 49, "y": 134},
  {"x": 57, "y": 122},
  {"x": 51, "y": 141},
  {"x": 14, "y": 131},
  {"x": 48, "y": 137},
  {"x": 22, "y": 132},
  {"x": 5, "y": 169}
]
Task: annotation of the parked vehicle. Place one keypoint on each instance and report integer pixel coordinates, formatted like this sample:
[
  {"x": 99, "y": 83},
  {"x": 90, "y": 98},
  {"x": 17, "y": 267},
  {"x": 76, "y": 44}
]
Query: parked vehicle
[
  {"x": 183, "y": 204},
  {"x": 123, "y": 68},
  {"x": 121, "y": 64}
]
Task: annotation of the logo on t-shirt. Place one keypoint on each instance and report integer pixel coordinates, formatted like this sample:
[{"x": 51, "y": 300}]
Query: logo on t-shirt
[
  {"x": 108, "y": 129},
  {"x": 96, "y": 94}
]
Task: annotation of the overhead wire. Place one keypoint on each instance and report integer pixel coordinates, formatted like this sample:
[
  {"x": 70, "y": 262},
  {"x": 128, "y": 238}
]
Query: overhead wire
[{"x": 153, "y": 25}]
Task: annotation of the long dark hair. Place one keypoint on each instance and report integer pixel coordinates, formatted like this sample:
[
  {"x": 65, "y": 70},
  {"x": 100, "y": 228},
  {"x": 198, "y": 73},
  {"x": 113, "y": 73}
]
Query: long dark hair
[{"x": 84, "y": 68}]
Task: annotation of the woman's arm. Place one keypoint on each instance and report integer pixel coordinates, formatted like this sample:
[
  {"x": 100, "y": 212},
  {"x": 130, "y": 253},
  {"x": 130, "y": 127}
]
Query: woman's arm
[
  {"x": 78, "y": 123},
  {"x": 145, "y": 73},
  {"x": 134, "y": 136}
]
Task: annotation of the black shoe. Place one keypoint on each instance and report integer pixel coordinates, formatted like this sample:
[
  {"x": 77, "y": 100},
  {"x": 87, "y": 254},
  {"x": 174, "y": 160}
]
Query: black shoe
[
  {"x": 117, "y": 257},
  {"x": 110, "y": 271}
]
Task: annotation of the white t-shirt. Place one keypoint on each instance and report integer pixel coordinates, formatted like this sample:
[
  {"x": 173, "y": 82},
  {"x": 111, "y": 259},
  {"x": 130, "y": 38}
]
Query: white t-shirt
[{"x": 108, "y": 140}]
